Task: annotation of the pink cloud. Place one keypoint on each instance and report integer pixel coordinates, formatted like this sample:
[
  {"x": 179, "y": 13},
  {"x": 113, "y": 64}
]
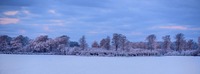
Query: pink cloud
[
  {"x": 174, "y": 27},
  {"x": 4, "y": 21},
  {"x": 10, "y": 13},
  {"x": 46, "y": 28}
]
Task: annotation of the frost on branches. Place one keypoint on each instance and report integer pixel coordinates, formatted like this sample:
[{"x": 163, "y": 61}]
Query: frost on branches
[{"x": 118, "y": 45}]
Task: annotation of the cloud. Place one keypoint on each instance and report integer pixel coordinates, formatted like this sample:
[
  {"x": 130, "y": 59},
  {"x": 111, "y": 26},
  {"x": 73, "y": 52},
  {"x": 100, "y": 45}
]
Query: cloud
[
  {"x": 58, "y": 22},
  {"x": 176, "y": 27},
  {"x": 22, "y": 31},
  {"x": 11, "y": 13},
  {"x": 4, "y": 21},
  {"x": 173, "y": 27},
  {"x": 46, "y": 28},
  {"x": 26, "y": 12},
  {"x": 52, "y": 11},
  {"x": 97, "y": 31}
]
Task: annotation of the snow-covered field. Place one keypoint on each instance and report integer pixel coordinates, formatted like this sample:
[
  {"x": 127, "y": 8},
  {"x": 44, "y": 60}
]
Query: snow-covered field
[{"x": 60, "y": 64}]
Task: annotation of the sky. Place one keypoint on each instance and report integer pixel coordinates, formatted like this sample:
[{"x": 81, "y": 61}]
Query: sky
[{"x": 97, "y": 19}]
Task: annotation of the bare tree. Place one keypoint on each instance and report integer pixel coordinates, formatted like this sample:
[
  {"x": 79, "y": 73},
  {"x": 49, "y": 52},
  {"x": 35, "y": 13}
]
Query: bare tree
[
  {"x": 119, "y": 41},
  {"x": 141, "y": 45},
  {"x": 83, "y": 44},
  {"x": 190, "y": 44},
  {"x": 123, "y": 42},
  {"x": 116, "y": 40},
  {"x": 105, "y": 43},
  {"x": 179, "y": 41},
  {"x": 167, "y": 42},
  {"x": 95, "y": 44},
  {"x": 151, "y": 41},
  {"x": 102, "y": 43}
]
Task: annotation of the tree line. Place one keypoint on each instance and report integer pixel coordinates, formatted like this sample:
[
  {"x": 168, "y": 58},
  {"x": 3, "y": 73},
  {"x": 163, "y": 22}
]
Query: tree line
[{"x": 118, "y": 45}]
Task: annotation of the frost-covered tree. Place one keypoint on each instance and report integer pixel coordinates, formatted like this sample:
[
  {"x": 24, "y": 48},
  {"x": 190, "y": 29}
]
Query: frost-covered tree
[
  {"x": 5, "y": 42},
  {"x": 105, "y": 43},
  {"x": 61, "y": 48},
  {"x": 95, "y": 44},
  {"x": 52, "y": 45},
  {"x": 41, "y": 38},
  {"x": 19, "y": 42},
  {"x": 127, "y": 46},
  {"x": 179, "y": 41},
  {"x": 166, "y": 42},
  {"x": 82, "y": 42},
  {"x": 123, "y": 42},
  {"x": 141, "y": 45},
  {"x": 45, "y": 44},
  {"x": 151, "y": 41},
  {"x": 61, "y": 43},
  {"x": 63, "y": 40},
  {"x": 39, "y": 44}
]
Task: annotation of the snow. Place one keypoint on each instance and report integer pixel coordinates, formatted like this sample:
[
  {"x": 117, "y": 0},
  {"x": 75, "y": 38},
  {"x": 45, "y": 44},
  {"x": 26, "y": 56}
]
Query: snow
[{"x": 62, "y": 64}]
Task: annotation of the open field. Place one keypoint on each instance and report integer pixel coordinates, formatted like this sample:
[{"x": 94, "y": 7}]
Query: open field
[{"x": 59, "y": 64}]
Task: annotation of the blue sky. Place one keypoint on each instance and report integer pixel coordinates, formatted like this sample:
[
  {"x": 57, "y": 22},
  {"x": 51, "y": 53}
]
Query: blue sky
[{"x": 97, "y": 19}]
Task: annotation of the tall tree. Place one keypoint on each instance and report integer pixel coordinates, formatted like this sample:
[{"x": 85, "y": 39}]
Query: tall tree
[
  {"x": 141, "y": 45},
  {"x": 105, "y": 43},
  {"x": 95, "y": 44},
  {"x": 62, "y": 42},
  {"x": 39, "y": 44},
  {"x": 102, "y": 43},
  {"x": 83, "y": 44},
  {"x": 179, "y": 41},
  {"x": 116, "y": 40},
  {"x": 19, "y": 42},
  {"x": 167, "y": 42},
  {"x": 190, "y": 44},
  {"x": 5, "y": 42},
  {"x": 123, "y": 42},
  {"x": 119, "y": 41},
  {"x": 151, "y": 41}
]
